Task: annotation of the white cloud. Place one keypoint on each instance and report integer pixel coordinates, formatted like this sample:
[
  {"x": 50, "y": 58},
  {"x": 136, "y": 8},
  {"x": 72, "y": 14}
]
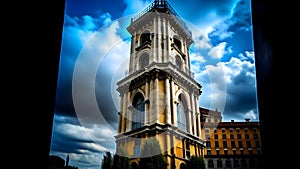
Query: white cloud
[
  {"x": 202, "y": 43},
  {"x": 218, "y": 51},
  {"x": 251, "y": 114}
]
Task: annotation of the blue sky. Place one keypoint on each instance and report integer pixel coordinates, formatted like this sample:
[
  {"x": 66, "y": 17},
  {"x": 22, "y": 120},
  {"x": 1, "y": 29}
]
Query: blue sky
[{"x": 94, "y": 56}]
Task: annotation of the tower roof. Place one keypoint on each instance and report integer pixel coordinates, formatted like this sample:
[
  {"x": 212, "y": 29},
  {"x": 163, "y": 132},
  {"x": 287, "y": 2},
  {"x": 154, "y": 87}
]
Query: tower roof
[{"x": 164, "y": 7}]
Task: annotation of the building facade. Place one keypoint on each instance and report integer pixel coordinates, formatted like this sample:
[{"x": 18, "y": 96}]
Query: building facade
[
  {"x": 232, "y": 144},
  {"x": 158, "y": 96}
]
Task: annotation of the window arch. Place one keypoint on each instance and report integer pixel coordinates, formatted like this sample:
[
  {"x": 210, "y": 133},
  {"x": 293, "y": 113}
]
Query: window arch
[
  {"x": 144, "y": 60},
  {"x": 219, "y": 163},
  {"x": 228, "y": 163},
  {"x": 145, "y": 37},
  {"x": 211, "y": 163},
  {"x": 138, "y": 113},
  {"x": 181, "y": 113}
]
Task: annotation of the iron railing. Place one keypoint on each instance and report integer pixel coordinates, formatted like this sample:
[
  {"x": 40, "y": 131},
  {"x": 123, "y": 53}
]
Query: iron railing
[{"x": 161, "y": 4}]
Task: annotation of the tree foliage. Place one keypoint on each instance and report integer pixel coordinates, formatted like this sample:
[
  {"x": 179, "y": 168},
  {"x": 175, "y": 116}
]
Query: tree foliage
[
  {"x": 196, "y": 162},
  {"x": 151, "y": 155},
  {"x": 107, "y": 161},
  {"x": 56, "y": 162}
]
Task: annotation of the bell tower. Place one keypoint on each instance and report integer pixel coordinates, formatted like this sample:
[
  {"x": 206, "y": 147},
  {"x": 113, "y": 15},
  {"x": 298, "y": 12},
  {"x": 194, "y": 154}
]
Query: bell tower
[{"x": 158, "y": 96}]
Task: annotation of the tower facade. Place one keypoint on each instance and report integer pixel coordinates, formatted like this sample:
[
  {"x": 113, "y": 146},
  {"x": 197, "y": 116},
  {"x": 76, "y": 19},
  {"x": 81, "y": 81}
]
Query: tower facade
[{"x": 158, "y": 95}]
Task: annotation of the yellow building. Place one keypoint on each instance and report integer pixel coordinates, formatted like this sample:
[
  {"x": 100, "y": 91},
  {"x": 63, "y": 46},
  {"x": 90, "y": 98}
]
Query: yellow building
[
  {"x": 158, "y": 95},
  {"x": 230, "y": 144}
]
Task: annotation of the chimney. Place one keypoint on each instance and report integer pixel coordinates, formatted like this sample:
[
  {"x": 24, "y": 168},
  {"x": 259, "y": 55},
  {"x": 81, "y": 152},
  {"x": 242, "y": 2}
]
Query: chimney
[{"x": 247, "y": 119}]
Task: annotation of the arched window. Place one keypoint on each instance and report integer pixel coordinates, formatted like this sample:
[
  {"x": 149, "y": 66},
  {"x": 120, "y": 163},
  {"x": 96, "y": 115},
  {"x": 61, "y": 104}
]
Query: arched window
[
  {"x": 228, "y": 163},
  {"x": 243, "y": 163},
  {"x": 178, "y": 61},
  {"x": 210, "y": 163},
  {"x": 181, "y": 113},
  {"x": 138, "y": 114},
  {"x": 145, "y": 37},
  {"x": 219, "y": 163},
  {"x": 144, "y": 60}
]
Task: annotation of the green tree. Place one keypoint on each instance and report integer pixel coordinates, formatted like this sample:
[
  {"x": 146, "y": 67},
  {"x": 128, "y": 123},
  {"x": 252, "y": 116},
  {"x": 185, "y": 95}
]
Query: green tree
[
  {"x": 196, "y": 162},
  {"x": 151, "y": 155},
  {"x": 120, "y": 159},
  {"x": 107, "y": 161}
]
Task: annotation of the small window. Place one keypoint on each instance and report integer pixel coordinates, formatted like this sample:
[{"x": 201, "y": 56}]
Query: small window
[
  {"x": 216, "y": 136},
  {"x": 236, "y": 163},
  {"x": 244, "y": 163},
  {"x": 255, "y": 135},
  {"x": 247, "y": 136},
  {"x": 223, "y": 136},
  {"x": 181, "y": 113},
  {"x": 224, "y": 144},
  {"x": 239, "y": 136},
  {"x": 216, "y": 144},
  {"x": 228, "y": 163},
  {"x": 257, "y": 144},
  {"x": 233, "y": 144},
  {"x": 144, "y": 60},
  {"x": 177, "y": 42},
  {"x": 211, "y": 163},
  {"x": 145, "y": 37},
  {"x": 219, "y": 163},
  {"x": 248, "y": 143},
  {"x": 178, "y": 62},
  {"x": 208, "y": 144},
  {"x": 231, "y": 136},
  {"x": 240, "y": 144}
]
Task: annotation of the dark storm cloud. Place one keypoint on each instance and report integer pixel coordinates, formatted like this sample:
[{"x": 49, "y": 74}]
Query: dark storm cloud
[
  {"x": 241, "y": 91},
  {"x": 240, "y": 20},
  {"x": 187, "y": 9},
  {"x": 73, "y": 138}
]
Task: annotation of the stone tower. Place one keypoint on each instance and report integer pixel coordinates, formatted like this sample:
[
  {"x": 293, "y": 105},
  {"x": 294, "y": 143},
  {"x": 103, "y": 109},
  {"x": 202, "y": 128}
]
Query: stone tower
[{"x": 158, "y": 96}]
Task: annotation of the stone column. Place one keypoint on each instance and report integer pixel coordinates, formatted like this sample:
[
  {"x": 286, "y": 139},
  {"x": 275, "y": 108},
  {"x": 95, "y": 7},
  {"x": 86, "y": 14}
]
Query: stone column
[
  {"x": 125, "y": 118},
  {"x": 174, "y": 103},
  {"x": 147, "y": 102},
  {"x": 129, "y": 113},
  {"x": 156, "y": 98},
  {"x": 168, "y": 101},
  {"x": 154, "y": 45}
]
